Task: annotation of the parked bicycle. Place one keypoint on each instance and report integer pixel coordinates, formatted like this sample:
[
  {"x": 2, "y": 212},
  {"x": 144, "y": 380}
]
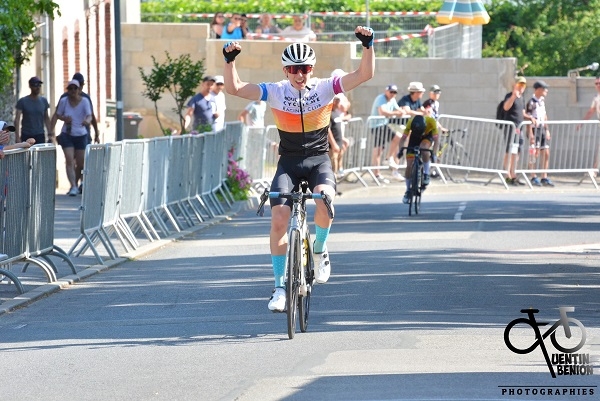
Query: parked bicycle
[
  {"x": 416, "y": 179},
  {"x": 452, "y": 152},
  {"x": 299, "y": 274}
]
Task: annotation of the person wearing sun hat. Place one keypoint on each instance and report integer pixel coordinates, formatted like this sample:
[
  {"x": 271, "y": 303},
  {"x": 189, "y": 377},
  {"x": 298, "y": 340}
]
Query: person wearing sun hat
[
  {"x": 32, "y": 115},
  {"x": 411, "y": 103}
]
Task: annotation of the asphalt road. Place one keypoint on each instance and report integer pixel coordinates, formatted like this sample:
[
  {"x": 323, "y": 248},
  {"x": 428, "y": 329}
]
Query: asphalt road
[{"x": 415, "y": 309}]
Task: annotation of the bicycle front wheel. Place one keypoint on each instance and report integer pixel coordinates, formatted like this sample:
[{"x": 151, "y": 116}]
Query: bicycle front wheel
[
  {"x": 294, "y": 263},
  {"x": 304, "y": 298},
  {"x": 415, "y": 187}
]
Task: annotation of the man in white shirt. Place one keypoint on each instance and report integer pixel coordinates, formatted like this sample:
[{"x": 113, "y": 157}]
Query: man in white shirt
[
  {"x": 217, "y": 92},
  {"x": 298, "y": 31}
]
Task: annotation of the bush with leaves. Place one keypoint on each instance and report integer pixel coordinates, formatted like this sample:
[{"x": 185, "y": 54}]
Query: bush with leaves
[
  {"x": 238, "y": 181},
  {"x": 179, "y": 77}
]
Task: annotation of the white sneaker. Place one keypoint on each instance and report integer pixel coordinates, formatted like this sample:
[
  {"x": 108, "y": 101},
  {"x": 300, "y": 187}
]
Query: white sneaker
[
  {"x": 277, "y": 301},
  {"x": 73, "y": 192},
  {"x": 322, "y": 266},
  {"x": 382, "y": 179},
  {"x": 397, "y": 176},
  {"x": 392, "y": 163}
]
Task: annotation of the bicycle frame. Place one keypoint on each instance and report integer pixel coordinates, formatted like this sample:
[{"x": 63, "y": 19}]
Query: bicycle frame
[
  {"x": 416, "y": 178},
  {"x": 299, "y": 260}
]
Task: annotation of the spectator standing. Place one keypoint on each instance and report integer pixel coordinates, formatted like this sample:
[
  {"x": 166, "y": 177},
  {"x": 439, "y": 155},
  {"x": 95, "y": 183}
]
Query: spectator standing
[
  {"x": 233, "y": 30},
  {"x": 79, "y": 77},
  {"x": 76, "y": 112},
  {"x": 202, "y": 107},
  {"x": 33, "y": 114},
  {"x": 337, "y": 143},
  {"x": 539, "y": 134},
  {"x": 219, "y": 95},
  {"x": 514, "y": 110},
  {"x": 266, "y": 25},
  {"x": 411, "y": 103},
  {"x": 595, "y": 107},
  {"x": 385, "y": 105},
  {"x": 244, "y": 26},
  {"x": 216, "y": 26},
  {"x": 5, "y": 130},
  {"x": 298, "y": 31},
  {"x": 253, "y": 114}
]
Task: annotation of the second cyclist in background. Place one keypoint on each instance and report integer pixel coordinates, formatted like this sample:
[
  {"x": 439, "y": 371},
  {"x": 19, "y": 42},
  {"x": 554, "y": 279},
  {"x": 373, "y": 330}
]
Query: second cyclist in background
[
  {"x": 421, "y": 131},
  {"x": 301, "y": 106}
]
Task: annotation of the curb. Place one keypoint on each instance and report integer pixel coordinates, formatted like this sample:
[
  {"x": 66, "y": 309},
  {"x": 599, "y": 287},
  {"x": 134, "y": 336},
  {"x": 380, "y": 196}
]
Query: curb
[{"x": 45, "y": 290}]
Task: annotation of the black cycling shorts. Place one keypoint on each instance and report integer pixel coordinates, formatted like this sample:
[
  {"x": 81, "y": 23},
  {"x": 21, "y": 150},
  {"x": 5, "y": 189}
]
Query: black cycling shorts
[
  {"x": 316, "y": 170},
  {"x": 416, "y": 140}
]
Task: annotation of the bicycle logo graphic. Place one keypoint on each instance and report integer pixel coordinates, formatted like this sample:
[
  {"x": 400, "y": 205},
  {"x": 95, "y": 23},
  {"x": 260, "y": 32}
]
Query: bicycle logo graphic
[{"x": 581, "y": 363}]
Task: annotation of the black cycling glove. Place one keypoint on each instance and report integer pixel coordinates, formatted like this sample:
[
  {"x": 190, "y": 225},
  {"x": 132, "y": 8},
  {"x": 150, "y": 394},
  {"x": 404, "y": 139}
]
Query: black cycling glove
[
  {"x": 230, "y": 56},
  {"x": 400, "y": 153},
  {"x": 367, "y": 41}
]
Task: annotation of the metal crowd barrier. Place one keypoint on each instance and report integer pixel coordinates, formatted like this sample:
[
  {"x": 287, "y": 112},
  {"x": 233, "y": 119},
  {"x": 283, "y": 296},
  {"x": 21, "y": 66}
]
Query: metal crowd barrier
[
  {"x": 27, "y": 212},
  {"x": 471, "y": 145},
  {"x": 475, "y": 144},
  {"x": 152, "y": 187},
  {"x": 574, "y": 147}
]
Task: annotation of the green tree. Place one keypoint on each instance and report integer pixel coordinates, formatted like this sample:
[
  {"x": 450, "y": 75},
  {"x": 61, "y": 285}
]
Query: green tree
[
  {"x": 179, "y": 77},
  {"x": 18, "y": 26},
  {"x": 549, "y": 36}
]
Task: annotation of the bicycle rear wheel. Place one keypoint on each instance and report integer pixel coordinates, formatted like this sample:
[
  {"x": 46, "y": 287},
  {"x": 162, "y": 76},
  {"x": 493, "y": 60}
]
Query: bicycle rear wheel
[
  {"x": 294, "y": 263},
  {"x": 304, "y": 300}
]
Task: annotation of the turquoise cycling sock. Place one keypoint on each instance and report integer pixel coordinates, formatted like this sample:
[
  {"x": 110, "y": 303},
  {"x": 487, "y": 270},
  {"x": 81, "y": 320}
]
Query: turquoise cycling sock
[
  {"x": 407, "y": 184},
  {"x": 426, "y": 167},
  {"x": 320, "y": 238},
  {"x": 279, "y": 269}
]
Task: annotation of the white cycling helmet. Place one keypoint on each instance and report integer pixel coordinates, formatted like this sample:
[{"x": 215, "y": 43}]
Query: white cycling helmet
[{"x": 298, "y": 54}]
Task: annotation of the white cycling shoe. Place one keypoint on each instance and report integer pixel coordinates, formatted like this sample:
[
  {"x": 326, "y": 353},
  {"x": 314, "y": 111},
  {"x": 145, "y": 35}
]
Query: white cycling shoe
[
  {"x": 277, "y": 301},
  {"x": 322, "y": 266}
]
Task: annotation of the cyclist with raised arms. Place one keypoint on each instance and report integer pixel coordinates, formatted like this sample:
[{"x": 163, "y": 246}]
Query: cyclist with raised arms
[
  {"x": 423, "y": 132},
  {"x": 301, "y": 106}
]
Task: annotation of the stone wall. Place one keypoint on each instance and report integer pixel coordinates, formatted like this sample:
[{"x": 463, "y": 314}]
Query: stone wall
[{"x": 470, "y": 87}]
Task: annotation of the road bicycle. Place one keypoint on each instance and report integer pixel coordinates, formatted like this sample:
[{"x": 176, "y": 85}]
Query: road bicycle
[
  {"x": 416, "y": 179},
  {"x": 452, "y": 152},
  {"x": 299, "y": 257},
  {"x": 564, "y": 321}
]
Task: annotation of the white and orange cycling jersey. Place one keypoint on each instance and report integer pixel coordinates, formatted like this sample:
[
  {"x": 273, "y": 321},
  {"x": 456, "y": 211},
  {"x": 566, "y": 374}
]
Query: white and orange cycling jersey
[{"x": 302, "y": 117}]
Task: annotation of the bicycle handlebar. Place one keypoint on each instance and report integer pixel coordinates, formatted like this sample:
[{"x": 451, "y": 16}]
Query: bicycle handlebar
[
  {"x": 295, "y": 197},
  {"x": 416, "y": 149}
]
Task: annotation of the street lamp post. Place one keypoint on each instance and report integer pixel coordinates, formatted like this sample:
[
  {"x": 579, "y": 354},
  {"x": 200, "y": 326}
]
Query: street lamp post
[
  {"x": 118, "y": 72},
  {"x": 574, "y": 73}
]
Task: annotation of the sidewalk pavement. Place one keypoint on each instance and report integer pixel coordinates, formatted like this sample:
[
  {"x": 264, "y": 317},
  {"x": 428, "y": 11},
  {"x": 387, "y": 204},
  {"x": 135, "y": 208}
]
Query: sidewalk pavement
[{"x": 67, "y": 231}]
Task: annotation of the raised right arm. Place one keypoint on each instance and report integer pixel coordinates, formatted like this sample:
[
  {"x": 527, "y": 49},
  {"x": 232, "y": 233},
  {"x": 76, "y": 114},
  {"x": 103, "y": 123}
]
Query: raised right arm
[{"x": 233, "y": 84}]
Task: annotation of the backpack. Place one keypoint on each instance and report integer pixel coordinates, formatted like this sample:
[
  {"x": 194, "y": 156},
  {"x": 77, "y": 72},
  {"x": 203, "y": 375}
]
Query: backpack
[{"x": 500, "y": 113}]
